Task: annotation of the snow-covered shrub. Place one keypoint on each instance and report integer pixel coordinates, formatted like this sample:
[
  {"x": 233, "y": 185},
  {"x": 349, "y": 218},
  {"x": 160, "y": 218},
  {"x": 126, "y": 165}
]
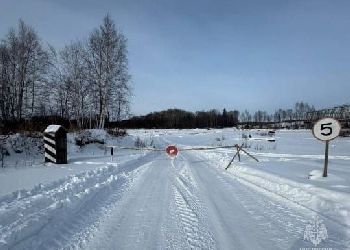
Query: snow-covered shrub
[
  {"x": 82, "y": 137},
  {"x": 345, "y": 132},
  {"x": 222, "y": 138},
  {"x": 3, "y": 150},
  {"x": 140, "y": 143},
  {"x": 263, "y": 133},
  {"x": 117, "y": 132},
  {"x": 245, "y": 136},
  {"x": 246, "y": 144},
  {"x": 85, "y": 137},
  {"x": 265, "y": 145},
  {"x": 28, "y": 143}
]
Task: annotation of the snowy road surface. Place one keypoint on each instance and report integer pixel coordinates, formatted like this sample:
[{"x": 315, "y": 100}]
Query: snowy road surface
[{"x": 154, "y": 202}]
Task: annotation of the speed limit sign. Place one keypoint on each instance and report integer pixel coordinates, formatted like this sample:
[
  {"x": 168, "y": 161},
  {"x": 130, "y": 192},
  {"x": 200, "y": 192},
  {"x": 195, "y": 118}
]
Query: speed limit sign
[{"x": 326, "y": 129}]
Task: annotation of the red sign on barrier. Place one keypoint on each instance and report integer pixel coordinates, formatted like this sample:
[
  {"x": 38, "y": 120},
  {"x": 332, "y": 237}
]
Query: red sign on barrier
[{"x": 172, "y": 150}]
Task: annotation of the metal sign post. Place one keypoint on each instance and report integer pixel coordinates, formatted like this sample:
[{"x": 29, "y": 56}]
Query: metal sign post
[
  {"x": 326, "y": 130},
  {"x": 325, "y": 168}
]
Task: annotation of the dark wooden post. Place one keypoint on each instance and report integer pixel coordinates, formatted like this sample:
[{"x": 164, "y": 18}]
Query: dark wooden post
[
  {"x": 2, "y": 156},
  {"x": 325, "y": 169},
  {"x": 238, "y": 149}
]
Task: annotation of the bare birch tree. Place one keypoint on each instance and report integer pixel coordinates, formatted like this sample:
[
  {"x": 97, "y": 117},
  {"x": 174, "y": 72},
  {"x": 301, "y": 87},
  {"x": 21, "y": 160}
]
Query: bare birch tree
[
  {"x": 108, "y": 69},
  {"x": 23, "y": 66},
  {"x": 74, "y": 75}
]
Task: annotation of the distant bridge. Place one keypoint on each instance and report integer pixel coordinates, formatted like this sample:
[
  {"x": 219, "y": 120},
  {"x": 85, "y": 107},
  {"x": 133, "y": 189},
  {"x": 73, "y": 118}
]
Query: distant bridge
[{"x": 341, "y": 113}]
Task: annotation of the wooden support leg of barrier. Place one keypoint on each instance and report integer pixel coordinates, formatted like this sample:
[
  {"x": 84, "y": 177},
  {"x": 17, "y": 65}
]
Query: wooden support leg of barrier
[
  {"x": 238, "y": 149},
  {"x": 237, "y": 153},
  {"x": 249, "y": 155}
]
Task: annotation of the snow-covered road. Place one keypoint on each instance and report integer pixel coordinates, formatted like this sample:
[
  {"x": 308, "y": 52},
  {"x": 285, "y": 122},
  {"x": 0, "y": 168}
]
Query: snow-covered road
[{"x": 155, "y": 202}]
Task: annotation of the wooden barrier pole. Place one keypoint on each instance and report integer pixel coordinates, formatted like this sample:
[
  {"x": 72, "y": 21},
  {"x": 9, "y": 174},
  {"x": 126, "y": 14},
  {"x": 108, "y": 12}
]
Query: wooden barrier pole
[
  {"x": 238, "y": 149},
  {"x": 249, "y": 155}
]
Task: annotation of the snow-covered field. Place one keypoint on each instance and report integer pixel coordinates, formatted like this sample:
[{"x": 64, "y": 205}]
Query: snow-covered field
[{"x": 143, "y": 199}]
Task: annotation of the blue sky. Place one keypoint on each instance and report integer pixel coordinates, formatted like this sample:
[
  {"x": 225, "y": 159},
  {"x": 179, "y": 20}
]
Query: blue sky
[{"x": 198, "y": 55}]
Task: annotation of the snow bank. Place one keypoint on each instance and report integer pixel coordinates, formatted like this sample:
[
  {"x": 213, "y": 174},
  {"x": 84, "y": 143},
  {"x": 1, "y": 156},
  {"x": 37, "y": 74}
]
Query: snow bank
[
  {"x": 25, "y": 212},
  {"x": 23, "y": 149},
  {"x": 327, "y": 203}
]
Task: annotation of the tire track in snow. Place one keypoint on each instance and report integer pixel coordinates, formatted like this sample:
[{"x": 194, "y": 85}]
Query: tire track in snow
[
  {"x": 188, "y": 209},
  {"x": 284, "y": 219},
  {"x": 137, "y": 169},
  {"x": 65, "y": 210},
  {"x": 82, "y": 235},
  {"x": 138, "y": 220},
  {"x": 269, "y": 214},
  {"x": 286, "y": 215}
]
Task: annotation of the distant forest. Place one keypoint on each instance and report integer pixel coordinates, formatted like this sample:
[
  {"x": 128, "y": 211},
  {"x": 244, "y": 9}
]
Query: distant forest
[{"x": 177, "y": 118}]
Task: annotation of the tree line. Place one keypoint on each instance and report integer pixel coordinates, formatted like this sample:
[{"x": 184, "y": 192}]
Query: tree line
[
  {"x": 86, "y": 81},
  {"x": 177, "y": 118}
]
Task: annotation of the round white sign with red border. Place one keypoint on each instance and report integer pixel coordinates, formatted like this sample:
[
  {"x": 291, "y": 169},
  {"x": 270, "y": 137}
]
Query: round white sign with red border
[{"x": 326, "y": 129}]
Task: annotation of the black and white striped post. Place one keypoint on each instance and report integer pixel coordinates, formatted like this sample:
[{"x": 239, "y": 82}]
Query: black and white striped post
[{"x": 55, "y": 143}]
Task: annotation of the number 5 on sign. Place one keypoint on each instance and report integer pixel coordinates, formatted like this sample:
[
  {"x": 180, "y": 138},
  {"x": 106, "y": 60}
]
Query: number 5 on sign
[{"x": 326, "y": 129}]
